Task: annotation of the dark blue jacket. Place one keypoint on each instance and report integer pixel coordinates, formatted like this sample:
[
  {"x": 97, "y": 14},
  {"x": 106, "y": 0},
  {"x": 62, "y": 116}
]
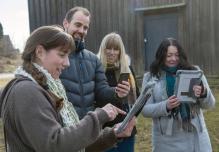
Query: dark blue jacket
[{"x": 85, "y": 82}]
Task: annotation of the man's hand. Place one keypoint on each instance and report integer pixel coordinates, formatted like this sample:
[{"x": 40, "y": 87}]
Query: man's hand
[{"x": 122, "y": 89}]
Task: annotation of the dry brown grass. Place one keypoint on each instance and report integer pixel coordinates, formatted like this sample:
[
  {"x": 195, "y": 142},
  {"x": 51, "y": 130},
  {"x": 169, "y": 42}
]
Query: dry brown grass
[
  {"x": 3, "y": 82},
  {"x": 143, "y": 137}
]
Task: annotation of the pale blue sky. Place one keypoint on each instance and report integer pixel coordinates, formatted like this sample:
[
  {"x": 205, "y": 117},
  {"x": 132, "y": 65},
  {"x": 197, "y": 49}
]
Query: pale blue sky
[{"x": 15, "y": 21}]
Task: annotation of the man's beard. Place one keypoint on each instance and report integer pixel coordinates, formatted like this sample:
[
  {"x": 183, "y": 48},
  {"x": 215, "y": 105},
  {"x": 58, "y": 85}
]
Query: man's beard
[{"x": 79, "y": 42}]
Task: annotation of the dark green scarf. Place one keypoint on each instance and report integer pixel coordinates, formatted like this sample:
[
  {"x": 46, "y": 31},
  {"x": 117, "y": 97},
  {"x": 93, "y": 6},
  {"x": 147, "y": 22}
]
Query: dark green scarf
[
  {"x": 112, "y": 67},
  {"x": 170, "y": 82}
]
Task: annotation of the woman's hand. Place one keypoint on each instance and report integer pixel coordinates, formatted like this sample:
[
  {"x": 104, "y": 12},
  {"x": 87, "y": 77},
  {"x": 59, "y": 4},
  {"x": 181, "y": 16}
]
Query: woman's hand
[
  {"x": 199, "y": 90},
  {"x": 128, "y": 130},
  {"x": 112, "y": 111},
  {"x": 122, "y": 89},
  {"x": 172, "y": 102}
]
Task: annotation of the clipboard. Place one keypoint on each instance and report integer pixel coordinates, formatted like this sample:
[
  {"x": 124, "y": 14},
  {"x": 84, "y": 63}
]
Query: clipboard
[
  {"x": 139, "y": 104},
  {"x": 185, "y": 80}
]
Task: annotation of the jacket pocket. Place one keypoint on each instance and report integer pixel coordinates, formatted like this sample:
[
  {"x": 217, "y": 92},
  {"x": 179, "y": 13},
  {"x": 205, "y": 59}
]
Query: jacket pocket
[
  {"x": 166, "y": 125},
  {"x": 158, "y": 126}
]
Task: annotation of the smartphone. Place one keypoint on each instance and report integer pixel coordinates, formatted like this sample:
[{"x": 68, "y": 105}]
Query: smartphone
[{"x": 123, "y": 77}]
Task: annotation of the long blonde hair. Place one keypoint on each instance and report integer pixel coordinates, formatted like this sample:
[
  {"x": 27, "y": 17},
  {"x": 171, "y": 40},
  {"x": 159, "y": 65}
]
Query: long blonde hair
[{"x": 114, "y": 40}]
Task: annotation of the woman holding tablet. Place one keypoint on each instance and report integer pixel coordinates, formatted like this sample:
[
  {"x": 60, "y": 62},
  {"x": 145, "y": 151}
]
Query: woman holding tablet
[{"x": 177, "y": 126}]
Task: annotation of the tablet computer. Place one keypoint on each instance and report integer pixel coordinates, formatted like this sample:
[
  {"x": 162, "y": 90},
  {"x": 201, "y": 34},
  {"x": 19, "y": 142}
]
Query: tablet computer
[
  {"x": 185, "y": 80},
  {"x": 137, "y": 107}
]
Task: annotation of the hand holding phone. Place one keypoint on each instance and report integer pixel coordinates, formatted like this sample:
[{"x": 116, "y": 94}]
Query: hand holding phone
[{"x": 122, "y": 89}]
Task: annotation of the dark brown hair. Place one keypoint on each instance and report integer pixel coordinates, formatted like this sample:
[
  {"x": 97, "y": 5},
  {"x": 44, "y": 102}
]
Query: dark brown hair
[
  {"x": 49, "y": 37},
  {"x": 158, "y": 63},
  {"x": 72, "y": 11}
]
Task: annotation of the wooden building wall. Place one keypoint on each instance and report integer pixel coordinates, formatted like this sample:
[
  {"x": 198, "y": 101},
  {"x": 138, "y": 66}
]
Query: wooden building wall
[
  {"x": 197, "y": 25},
  {"x": 202, "y": 34}
]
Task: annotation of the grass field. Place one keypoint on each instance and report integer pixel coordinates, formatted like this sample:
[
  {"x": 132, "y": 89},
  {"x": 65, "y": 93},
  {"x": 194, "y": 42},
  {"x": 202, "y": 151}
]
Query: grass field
[{"x": 143, "y": 138}]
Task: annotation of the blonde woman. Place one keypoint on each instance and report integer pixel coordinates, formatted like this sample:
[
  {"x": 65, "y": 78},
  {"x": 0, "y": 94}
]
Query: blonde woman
[{"x": 115, "y": 60}]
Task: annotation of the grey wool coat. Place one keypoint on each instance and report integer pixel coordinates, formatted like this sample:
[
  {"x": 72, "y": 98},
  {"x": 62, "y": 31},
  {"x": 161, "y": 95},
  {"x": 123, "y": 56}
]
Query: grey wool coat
[{"x": 167, "y": 132}]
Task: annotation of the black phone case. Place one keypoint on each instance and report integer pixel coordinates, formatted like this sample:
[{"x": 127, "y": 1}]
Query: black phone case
[{"x": 123, "y": 77}]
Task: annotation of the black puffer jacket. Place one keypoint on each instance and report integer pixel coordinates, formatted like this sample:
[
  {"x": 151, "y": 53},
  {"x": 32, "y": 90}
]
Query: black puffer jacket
[{"x": 85, "y": 82}]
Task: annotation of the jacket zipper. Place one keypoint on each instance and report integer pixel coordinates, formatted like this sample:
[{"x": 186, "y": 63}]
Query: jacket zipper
[{"x": 81, "y": 84}]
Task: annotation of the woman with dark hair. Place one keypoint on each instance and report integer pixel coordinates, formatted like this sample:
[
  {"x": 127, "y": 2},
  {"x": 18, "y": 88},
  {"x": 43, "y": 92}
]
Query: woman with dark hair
[
  {"x": 177, "y": 126},
  {"x": 36, "y": 113}
]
